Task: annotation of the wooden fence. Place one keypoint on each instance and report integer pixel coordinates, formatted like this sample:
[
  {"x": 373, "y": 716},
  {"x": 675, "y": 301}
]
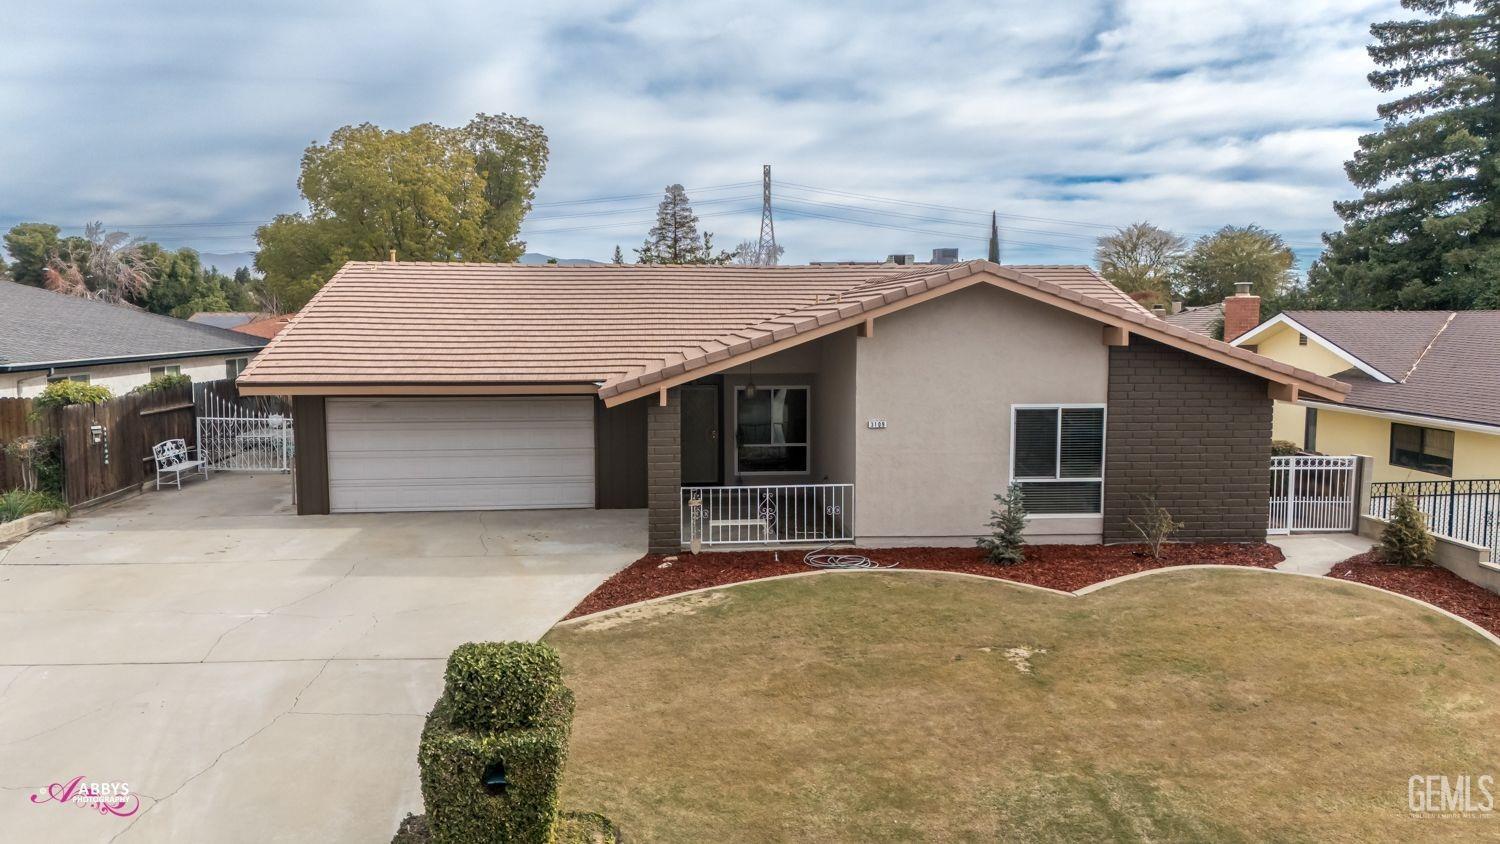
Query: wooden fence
[{"x": 106, "y": 448}]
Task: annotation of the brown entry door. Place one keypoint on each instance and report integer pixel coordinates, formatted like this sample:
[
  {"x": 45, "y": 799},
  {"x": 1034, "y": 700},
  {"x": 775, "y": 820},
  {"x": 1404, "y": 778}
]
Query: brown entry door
[{"x": 702, "y": 454}]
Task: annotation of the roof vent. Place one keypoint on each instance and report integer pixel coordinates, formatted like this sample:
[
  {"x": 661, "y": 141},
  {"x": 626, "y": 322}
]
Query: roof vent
[
  {"x": 946, "y": 255},
  {"x": 1159, "y": 310},
  {"x": 901, "y": 260}
]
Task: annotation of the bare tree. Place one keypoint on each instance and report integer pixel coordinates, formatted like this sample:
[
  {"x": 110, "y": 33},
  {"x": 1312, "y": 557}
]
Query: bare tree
[
  {"x": 748, "y": 252},
  {"x": 1141, "y": 258},
  {"x": 113, "y": 268}
]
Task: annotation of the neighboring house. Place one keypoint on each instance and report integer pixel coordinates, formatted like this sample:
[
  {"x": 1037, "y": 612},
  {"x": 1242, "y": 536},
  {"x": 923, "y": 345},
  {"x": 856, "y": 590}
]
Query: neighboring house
[
  {"x": 265, "y": 327},
  {"x": 46, "y": 336},
  {"x": 427, "y": 386},
  {"x": 224, "y": 319},
  {"x": 1200, "y": 319},
  {"x": 1424, "y": 388}
]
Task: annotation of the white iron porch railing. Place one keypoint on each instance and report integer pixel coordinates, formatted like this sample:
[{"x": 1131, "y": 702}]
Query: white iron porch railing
[
  {"x": 797, "y": 514},
  {"x": 1313, "y": 493},
  {"x": 246, "y": 443}
]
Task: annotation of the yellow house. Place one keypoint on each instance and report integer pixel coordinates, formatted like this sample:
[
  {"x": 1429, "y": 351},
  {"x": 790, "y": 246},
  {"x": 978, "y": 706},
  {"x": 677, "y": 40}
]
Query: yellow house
[{"x": 1424, "y": 396}]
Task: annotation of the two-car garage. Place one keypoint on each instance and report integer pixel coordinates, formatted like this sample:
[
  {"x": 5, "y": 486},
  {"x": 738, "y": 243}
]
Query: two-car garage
[{"x": 460, "y": 453}]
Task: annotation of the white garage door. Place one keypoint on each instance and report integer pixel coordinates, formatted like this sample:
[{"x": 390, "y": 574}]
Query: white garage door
[{"x": 460, "y": 453}]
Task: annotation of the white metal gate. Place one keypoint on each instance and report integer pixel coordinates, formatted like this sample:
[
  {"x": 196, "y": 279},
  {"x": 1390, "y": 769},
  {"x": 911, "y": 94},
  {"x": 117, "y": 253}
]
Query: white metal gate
[
  {"x": 246, "y": 443},
  {"x": 1313, "y": 493}
]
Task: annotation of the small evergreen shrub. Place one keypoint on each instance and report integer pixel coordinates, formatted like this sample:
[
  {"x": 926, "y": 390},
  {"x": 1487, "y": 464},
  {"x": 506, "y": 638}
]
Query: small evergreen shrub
[
  {"x": 163, "y": 382},
  {"x": 504, "y": 711},
  {"x": 1284, "y": 448},
  {"x": 1406, "y": 540},
  {"x": 64, "y": 393},
  {"x": 1005, "y": 545}
]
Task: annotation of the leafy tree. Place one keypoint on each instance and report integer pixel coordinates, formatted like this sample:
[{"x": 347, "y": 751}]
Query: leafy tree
[
  {"x": 675, "y": 239},
  {"x": 431, "y": 193},
  {"x": 107, "y": 266},
  {"x": 30, "y": 245},
  {"x": 1425, "y": 233},
  {"x": 1210, "y": 270},
  {"x": 1141, "y": 259},
  {"x": 1006, "y": 545}
]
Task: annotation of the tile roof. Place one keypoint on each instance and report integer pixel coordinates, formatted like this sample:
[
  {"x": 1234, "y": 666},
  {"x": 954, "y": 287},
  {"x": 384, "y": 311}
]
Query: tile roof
[
  {"x": 1446, "y": 364},
  {"x": 40, "y": 328},
  {"x": 623, "y": 327},
  {"x": 266, "y": 327},
  {"x": 1199, "y": 320}
]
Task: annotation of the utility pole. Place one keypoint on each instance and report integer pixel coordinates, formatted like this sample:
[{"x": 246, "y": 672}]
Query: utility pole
[
  {"x": 994, "y": 239},
  {"x": 765, "y": 253}
]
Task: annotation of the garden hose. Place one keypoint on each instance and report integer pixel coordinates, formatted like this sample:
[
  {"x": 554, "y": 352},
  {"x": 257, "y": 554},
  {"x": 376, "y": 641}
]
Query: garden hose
[{"x": 823, "y": 559}]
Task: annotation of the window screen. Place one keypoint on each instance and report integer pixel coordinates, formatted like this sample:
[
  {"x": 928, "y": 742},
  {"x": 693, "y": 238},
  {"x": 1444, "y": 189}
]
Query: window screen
[
  {"x": 1423, "y": 449},
  {"x": 1059, "y": 459}
]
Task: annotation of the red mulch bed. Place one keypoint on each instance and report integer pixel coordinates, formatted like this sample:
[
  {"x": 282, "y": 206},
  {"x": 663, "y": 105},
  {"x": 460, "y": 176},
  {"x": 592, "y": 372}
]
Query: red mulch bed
[
  {"x": 1065, "y": 567},
  {"x": 1430, "y": 583}
]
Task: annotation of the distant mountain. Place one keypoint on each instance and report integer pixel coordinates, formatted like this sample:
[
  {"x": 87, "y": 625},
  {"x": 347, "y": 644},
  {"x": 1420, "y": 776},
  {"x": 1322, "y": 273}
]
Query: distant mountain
[
  {"x": 227, "y": 262},
  {"x": 539, "y": 258}
]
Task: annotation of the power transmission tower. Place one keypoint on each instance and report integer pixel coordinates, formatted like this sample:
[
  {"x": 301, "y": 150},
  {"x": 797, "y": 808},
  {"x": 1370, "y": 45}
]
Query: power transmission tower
[{"x": 765, "y": 253}]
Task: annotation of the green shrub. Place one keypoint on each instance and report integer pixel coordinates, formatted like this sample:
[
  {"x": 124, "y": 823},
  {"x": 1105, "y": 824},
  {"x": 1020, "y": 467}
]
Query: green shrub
[
  {"x": 40, "y": 461},
  {"x": 1005, "y": 544},
  {"x": 500, "y": 685},
  {"x": 64, "y": 393},
  {"x": 1406, "y": 540},
  {"x": 1284, "y": 448},
  {"x": 23, "y": 502},
  {"x": 514, "y": 692},
  {"x": 163, "y": 382}
]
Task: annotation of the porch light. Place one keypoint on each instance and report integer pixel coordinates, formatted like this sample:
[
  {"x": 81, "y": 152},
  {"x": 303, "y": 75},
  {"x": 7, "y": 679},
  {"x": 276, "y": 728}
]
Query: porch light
[
  {"x": 493, "y": 778},
  {"x": 750, "y": 387}
]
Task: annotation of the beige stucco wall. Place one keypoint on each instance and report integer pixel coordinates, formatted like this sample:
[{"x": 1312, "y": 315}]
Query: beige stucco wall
[
  {"x": 944, "y": 375},
  {"x": 120, "y": 378}
]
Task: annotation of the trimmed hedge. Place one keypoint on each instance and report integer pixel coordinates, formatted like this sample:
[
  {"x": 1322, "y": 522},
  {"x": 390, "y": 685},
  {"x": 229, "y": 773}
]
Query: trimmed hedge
[
  {"x": 500, "y": 685},
  {"x": 503, "y": 703}
]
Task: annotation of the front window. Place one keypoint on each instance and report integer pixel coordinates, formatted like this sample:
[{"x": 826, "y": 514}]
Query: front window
[
  {"x": 234, "y": 366},
  {"x": 159, "y": 371},
  {"x": 1058, "y": 459},
  {"x": 1423, "y": 449},
  {"x": 770, "y": 428}
]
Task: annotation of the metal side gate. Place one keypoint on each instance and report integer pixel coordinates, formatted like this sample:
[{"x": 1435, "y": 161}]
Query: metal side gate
[
  {"x": 1313, "y": 493},
  {"x": 246, "y": 443}
]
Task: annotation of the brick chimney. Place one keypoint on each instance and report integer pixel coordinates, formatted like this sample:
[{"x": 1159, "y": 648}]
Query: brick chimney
[{"x": 1241, "y": 311}]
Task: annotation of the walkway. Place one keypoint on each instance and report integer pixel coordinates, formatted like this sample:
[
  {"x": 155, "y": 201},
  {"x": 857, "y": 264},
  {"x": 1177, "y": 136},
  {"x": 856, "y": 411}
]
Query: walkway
[{"x": 1316, "y": 553}]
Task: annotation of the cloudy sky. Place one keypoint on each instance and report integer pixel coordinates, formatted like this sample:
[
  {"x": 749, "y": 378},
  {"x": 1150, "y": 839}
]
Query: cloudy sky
[{"x": 184, "y": 122}]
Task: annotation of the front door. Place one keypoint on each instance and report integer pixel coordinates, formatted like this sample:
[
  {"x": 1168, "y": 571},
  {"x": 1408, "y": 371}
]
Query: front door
[{"x": 702, "y": 454}]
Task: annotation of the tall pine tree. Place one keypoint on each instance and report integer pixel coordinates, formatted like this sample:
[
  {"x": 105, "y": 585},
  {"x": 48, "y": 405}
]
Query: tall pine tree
[
  {"x": 675, "y": 239},
  {"x": 1426, "y": 231}
]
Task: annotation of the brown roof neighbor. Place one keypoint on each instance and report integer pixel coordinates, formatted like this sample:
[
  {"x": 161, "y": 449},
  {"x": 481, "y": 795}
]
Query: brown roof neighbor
[
  {"x": 1446, "y": 364},
  {"x": 266, "y": 327},
  {"x": 1199, "y": 319},
  {"x": 621, "y": 330}
]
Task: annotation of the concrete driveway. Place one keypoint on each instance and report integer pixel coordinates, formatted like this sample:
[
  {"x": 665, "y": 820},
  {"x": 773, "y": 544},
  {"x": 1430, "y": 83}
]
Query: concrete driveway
[{"x": 251, "y": 674}]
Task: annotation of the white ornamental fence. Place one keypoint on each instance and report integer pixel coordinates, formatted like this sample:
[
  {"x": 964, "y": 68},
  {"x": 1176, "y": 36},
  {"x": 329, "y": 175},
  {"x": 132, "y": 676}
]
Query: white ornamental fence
[
  {"x": 798, "y": 514},
  {"x": 246, "y": 443},
  {"x": 1313, "y": 493}
]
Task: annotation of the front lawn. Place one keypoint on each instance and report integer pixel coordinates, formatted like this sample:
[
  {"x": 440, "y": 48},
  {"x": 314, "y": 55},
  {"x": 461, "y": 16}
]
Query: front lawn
[{"x": 1197, "y": 705}]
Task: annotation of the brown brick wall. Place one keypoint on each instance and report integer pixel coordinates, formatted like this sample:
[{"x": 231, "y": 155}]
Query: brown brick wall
[
  {"x": 664, "y": 473},
  {"x": 1197, "y": 434}
]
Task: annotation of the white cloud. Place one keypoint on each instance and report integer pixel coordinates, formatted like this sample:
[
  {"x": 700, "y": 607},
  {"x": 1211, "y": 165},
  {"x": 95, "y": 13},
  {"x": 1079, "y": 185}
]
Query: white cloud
[{"x": 1189, "y": 114}]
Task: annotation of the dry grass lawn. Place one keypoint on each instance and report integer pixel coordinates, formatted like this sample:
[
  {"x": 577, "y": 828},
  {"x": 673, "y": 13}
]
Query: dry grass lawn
[{"x": 1189, "y": 706}]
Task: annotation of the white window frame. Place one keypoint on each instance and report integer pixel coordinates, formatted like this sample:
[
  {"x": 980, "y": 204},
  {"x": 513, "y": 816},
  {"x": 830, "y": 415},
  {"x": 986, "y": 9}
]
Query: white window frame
[
  {"x": 734, "y": 420},
  {"x": 239, "y": 366},
  {"x": 166, "y": 369},
  {"x": 1103, "y": 455}
]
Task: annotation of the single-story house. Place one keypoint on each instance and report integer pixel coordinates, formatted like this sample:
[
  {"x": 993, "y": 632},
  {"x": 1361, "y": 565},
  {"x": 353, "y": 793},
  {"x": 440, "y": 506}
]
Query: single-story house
[
  {"x": 47, "y": 336},
  {"x": 1424, "y": 388},
  {"x": 883, "y": 404}
]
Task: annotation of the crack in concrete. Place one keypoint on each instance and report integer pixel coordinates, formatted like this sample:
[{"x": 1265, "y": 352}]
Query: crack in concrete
[
  {"x": 225, "y": 752},
  {"x": 13, "y": 680},
  {"x": 220, "y": 639}
]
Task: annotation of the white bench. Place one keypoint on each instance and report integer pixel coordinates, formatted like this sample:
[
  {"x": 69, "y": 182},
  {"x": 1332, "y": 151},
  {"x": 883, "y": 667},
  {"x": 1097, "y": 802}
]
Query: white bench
[{"x": 174, "y": 457}]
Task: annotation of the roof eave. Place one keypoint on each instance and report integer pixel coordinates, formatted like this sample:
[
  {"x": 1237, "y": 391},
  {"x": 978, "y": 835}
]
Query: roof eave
[{"x": 74, "y": 363}]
